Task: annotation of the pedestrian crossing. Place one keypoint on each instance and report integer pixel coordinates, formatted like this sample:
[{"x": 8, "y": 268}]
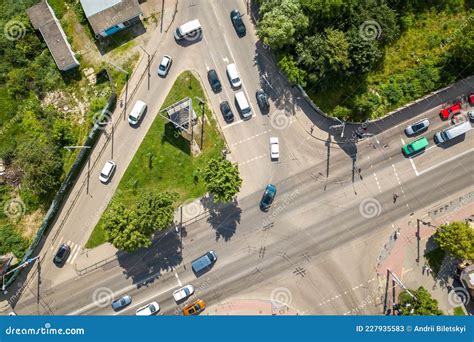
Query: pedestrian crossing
[{"x": 75, "y": 249}]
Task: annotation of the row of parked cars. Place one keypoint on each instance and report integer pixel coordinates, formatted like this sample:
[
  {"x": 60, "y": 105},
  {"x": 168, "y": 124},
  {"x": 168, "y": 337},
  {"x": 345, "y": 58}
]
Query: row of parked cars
[{"x": 458, "y": 128}]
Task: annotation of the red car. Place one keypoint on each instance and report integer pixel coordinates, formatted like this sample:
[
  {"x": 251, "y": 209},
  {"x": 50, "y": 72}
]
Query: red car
[
  {"x": 471, "y": 99},
  {"x": 454, "y": 109}
]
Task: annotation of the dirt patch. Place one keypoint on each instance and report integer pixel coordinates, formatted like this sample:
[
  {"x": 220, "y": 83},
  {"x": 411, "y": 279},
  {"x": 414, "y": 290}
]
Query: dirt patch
[{"x": 29, "y": 224}]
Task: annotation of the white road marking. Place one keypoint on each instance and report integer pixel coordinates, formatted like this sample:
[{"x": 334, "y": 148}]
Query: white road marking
[
  {"x": 411, "y": 160},
  {"x": 59, "y": 244},
  {"x": 226, "y": 60},
  {"x": 179, "y": 281},
  {"x": 446, "y": 161},
  {"x": 233, "y": 123},
  {"x": 396, "y": 175},
  {"x": 377, "y": 181},
  {"x": 253, "y": 159},
  {"x": 252, "y": 137},
  {"x": 75, "y": 255},
  {"x": 73, "y": 250}
]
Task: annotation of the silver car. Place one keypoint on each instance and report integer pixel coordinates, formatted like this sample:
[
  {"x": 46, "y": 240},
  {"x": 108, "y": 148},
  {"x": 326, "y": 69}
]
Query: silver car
[
  {"x": 417, "y": 127},
  {"x": 121, "y": 302}
]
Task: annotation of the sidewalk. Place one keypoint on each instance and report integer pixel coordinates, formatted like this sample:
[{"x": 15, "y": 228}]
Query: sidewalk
[
  {"x": 402, "y": 254},
  {"x": 250, "y": 307}
]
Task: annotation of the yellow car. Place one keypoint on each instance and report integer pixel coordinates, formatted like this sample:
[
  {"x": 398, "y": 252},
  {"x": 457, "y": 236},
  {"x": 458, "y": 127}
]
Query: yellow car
[{"x": 194, "y": 308}]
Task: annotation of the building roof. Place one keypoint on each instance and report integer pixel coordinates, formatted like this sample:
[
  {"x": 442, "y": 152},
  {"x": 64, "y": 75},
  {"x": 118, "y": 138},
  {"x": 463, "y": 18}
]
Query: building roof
[
  {"x": 43, "y": 19},
  {"x": 104, "y": 14}
]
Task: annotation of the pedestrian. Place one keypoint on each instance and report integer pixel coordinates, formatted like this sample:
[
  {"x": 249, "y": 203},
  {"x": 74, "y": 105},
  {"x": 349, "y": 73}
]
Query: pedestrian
[
  {"x": 395, "y": 196},
  {"x": 423, "y": 269},
  {"x": 312, "y": 129},
  {"x": 121, "y": 103}
]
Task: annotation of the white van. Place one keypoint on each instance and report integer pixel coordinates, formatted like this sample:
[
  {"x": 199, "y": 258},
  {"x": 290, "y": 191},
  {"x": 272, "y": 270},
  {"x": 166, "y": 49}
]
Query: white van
[
  {"x": 243, "y": 105},
  {"x": 233, "y": 76},
  {"x": 191, "y": 29},
  {"x": 137, "y": 112},
  {"x": 452, "y": 132}
]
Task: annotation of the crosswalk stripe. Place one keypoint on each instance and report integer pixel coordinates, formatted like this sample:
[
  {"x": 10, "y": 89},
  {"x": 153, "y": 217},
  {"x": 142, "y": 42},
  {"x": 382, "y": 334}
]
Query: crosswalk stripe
[
  {"x": 59, "y": 244},
  {"x": 75, "y": 255},
  {"x": 69, "y": 259}
]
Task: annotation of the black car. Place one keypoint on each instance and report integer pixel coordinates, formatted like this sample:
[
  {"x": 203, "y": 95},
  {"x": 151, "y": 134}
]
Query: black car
[
  {"x": 227, "y": 112},
  {"x": 237, "y": 22},
  {"x": 214, "y": 81},
  {"x": 262, "y": 100},
  {"x": 268, "y": 197},
  {"x": 62, "y": 254}
]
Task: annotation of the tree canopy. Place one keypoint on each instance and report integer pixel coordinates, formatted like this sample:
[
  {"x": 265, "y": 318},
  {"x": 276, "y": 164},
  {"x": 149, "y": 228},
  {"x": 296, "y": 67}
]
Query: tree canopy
[
  {"x": 456, "y": 238},
  {"x": 424, "y": 305},
  {"x": 222, "y": 179}
]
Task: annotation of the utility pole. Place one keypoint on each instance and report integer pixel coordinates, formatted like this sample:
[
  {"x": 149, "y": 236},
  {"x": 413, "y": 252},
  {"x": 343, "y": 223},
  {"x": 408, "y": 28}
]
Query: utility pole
[
  {"x": 203, "y": 116},
  {"x": 149, "y": 58},
  {"x": 342, "y": 124},
  {"x": 21, "y": 266},
  {"x": 126, "y": 85}
]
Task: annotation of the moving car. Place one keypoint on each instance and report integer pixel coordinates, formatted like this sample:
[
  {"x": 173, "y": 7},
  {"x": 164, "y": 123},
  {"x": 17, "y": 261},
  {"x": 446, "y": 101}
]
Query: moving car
[
  {"x": 268, "y": 197},
  {"x": 454, "y": 109},
  {"x": 243, "y": 105},
  {"x": 417, "y": 127},
  {"x": 204, "y": 263},
  {"x": 191, "y": 30},
  {"x": 214, "y": 81},
  {"x": 415, "y": 147},
  {"x": 194, "y": 308},
  {"x": 183, "y": 293},
  {"x": 239, "y": 25},
  {"x": 107, "y": 171},
  {"x": 274, "y": 148},
  {"x": 121, "y": 302},
  {"x": 226, "y": 111},
  {"x": 471, "y": 115},
  {"x": 262, "y": 100},
  {"x": 148, "y": 310},
  {"x": 165, "y": 65},
  {"x": 452, "y": 132},
  {"x": 471, "y": 99},
  {"x": 137, "y": 112},
  {"x": 62, "y": 254},
  {"x": 233, "y": 75}
]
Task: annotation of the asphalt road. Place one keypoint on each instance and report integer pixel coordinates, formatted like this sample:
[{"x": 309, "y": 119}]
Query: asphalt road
[{"x": 320, "y": 218}]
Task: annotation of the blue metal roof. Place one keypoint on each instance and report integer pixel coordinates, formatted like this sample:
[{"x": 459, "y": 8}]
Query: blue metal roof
[{"x": 92, "y": 7}]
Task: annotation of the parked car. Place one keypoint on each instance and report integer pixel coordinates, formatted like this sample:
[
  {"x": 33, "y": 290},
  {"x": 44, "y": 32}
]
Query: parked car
[
  {"x": 214, "y": 81},
  {"x": 194, "y": 308},
  {"x": 471, "y": 99},
  {"x": 137, "y": 112},
  {"x": 454, "y": 109},
  {"x": 148, "y": 310},
  {"x": 417, "y": 127},
  {"x": 121, "y": 302},
  {"x": 274, "y": 148},
  {"x": 262, "y": 100},
  {"x": 471, "y": 115},
  {"x": 183, "y": 293},
  {"x": 238, "y": 23},
  {"x": 234, "y": 76},
  {"x": 165, "y": 65},
  {"x": 415, "y": 147},
  {"x": 227, "y": 112},
  {"x": 268, "y": 197},
  {"x": 62, "y": 254},
  {"x": 107, "y": 171}
]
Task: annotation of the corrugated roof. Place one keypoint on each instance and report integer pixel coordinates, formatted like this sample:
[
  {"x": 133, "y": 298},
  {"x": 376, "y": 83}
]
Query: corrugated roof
[{"x": 43, "y": 19}]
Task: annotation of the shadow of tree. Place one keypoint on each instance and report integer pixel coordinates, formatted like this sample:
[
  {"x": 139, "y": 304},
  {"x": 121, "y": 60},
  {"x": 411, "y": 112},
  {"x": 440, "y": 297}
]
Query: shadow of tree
[{"x": 223, "y": 218}]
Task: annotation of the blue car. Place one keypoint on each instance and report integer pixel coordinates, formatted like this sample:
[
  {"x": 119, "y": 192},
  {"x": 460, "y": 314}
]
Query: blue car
[{"x": 268, "y": 197}]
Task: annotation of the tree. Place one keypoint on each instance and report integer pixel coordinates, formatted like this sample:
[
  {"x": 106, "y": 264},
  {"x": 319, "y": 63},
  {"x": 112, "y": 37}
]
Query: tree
[
  {"x": 130, "y": 228},
  {"x": 281, "y": 22},
  {"x": 222, "y": 179},
  {"x": 424, "y": 305},
  {"x": 311, "y": 54},
  {"x": 337, "y": 50},
  {"x": 289, "y": 67},
  {"x": 456, "y": 238}
]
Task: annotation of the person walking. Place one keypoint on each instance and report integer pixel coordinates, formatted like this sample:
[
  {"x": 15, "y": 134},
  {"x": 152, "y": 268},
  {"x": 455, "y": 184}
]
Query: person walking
[{"x": 395, "y": 196}]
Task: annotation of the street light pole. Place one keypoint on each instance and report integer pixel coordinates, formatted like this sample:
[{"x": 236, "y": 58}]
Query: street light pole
[
  {"x": 126, "y": 85},
  {"x": 23, "y": 265},
  {"x": 149, "y": 73}
]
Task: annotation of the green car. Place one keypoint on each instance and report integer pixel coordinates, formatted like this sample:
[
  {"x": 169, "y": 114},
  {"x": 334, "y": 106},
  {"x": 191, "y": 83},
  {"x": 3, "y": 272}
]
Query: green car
[{"x": 415, "y": 147}]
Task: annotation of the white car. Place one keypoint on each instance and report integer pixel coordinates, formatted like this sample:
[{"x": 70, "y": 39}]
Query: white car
[
  {"x": 165, "y": 65},
  {"x": 107, "y": 171},
  {"x": 148, "y": 310},
  {"x": 183, "y": 293},
  {"x": 274, "y": 148},
  {"x": 417, "y": 127}
]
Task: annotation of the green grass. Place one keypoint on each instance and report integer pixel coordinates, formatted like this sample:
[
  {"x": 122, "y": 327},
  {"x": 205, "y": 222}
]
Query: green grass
[
  {"x": 412, "y": 65},
  {"x": 459, "y": 311},
  {"x": 172, "y": 168},
  {"x": 435, "y": 259}
]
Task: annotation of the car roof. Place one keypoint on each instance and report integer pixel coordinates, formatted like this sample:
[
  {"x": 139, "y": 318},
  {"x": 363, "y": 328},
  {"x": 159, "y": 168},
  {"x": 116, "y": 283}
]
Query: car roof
[
  {"x": 273, "y": 140},
  {"x": 107, "y": 167},
  {"x": 165, "y": 59}
]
